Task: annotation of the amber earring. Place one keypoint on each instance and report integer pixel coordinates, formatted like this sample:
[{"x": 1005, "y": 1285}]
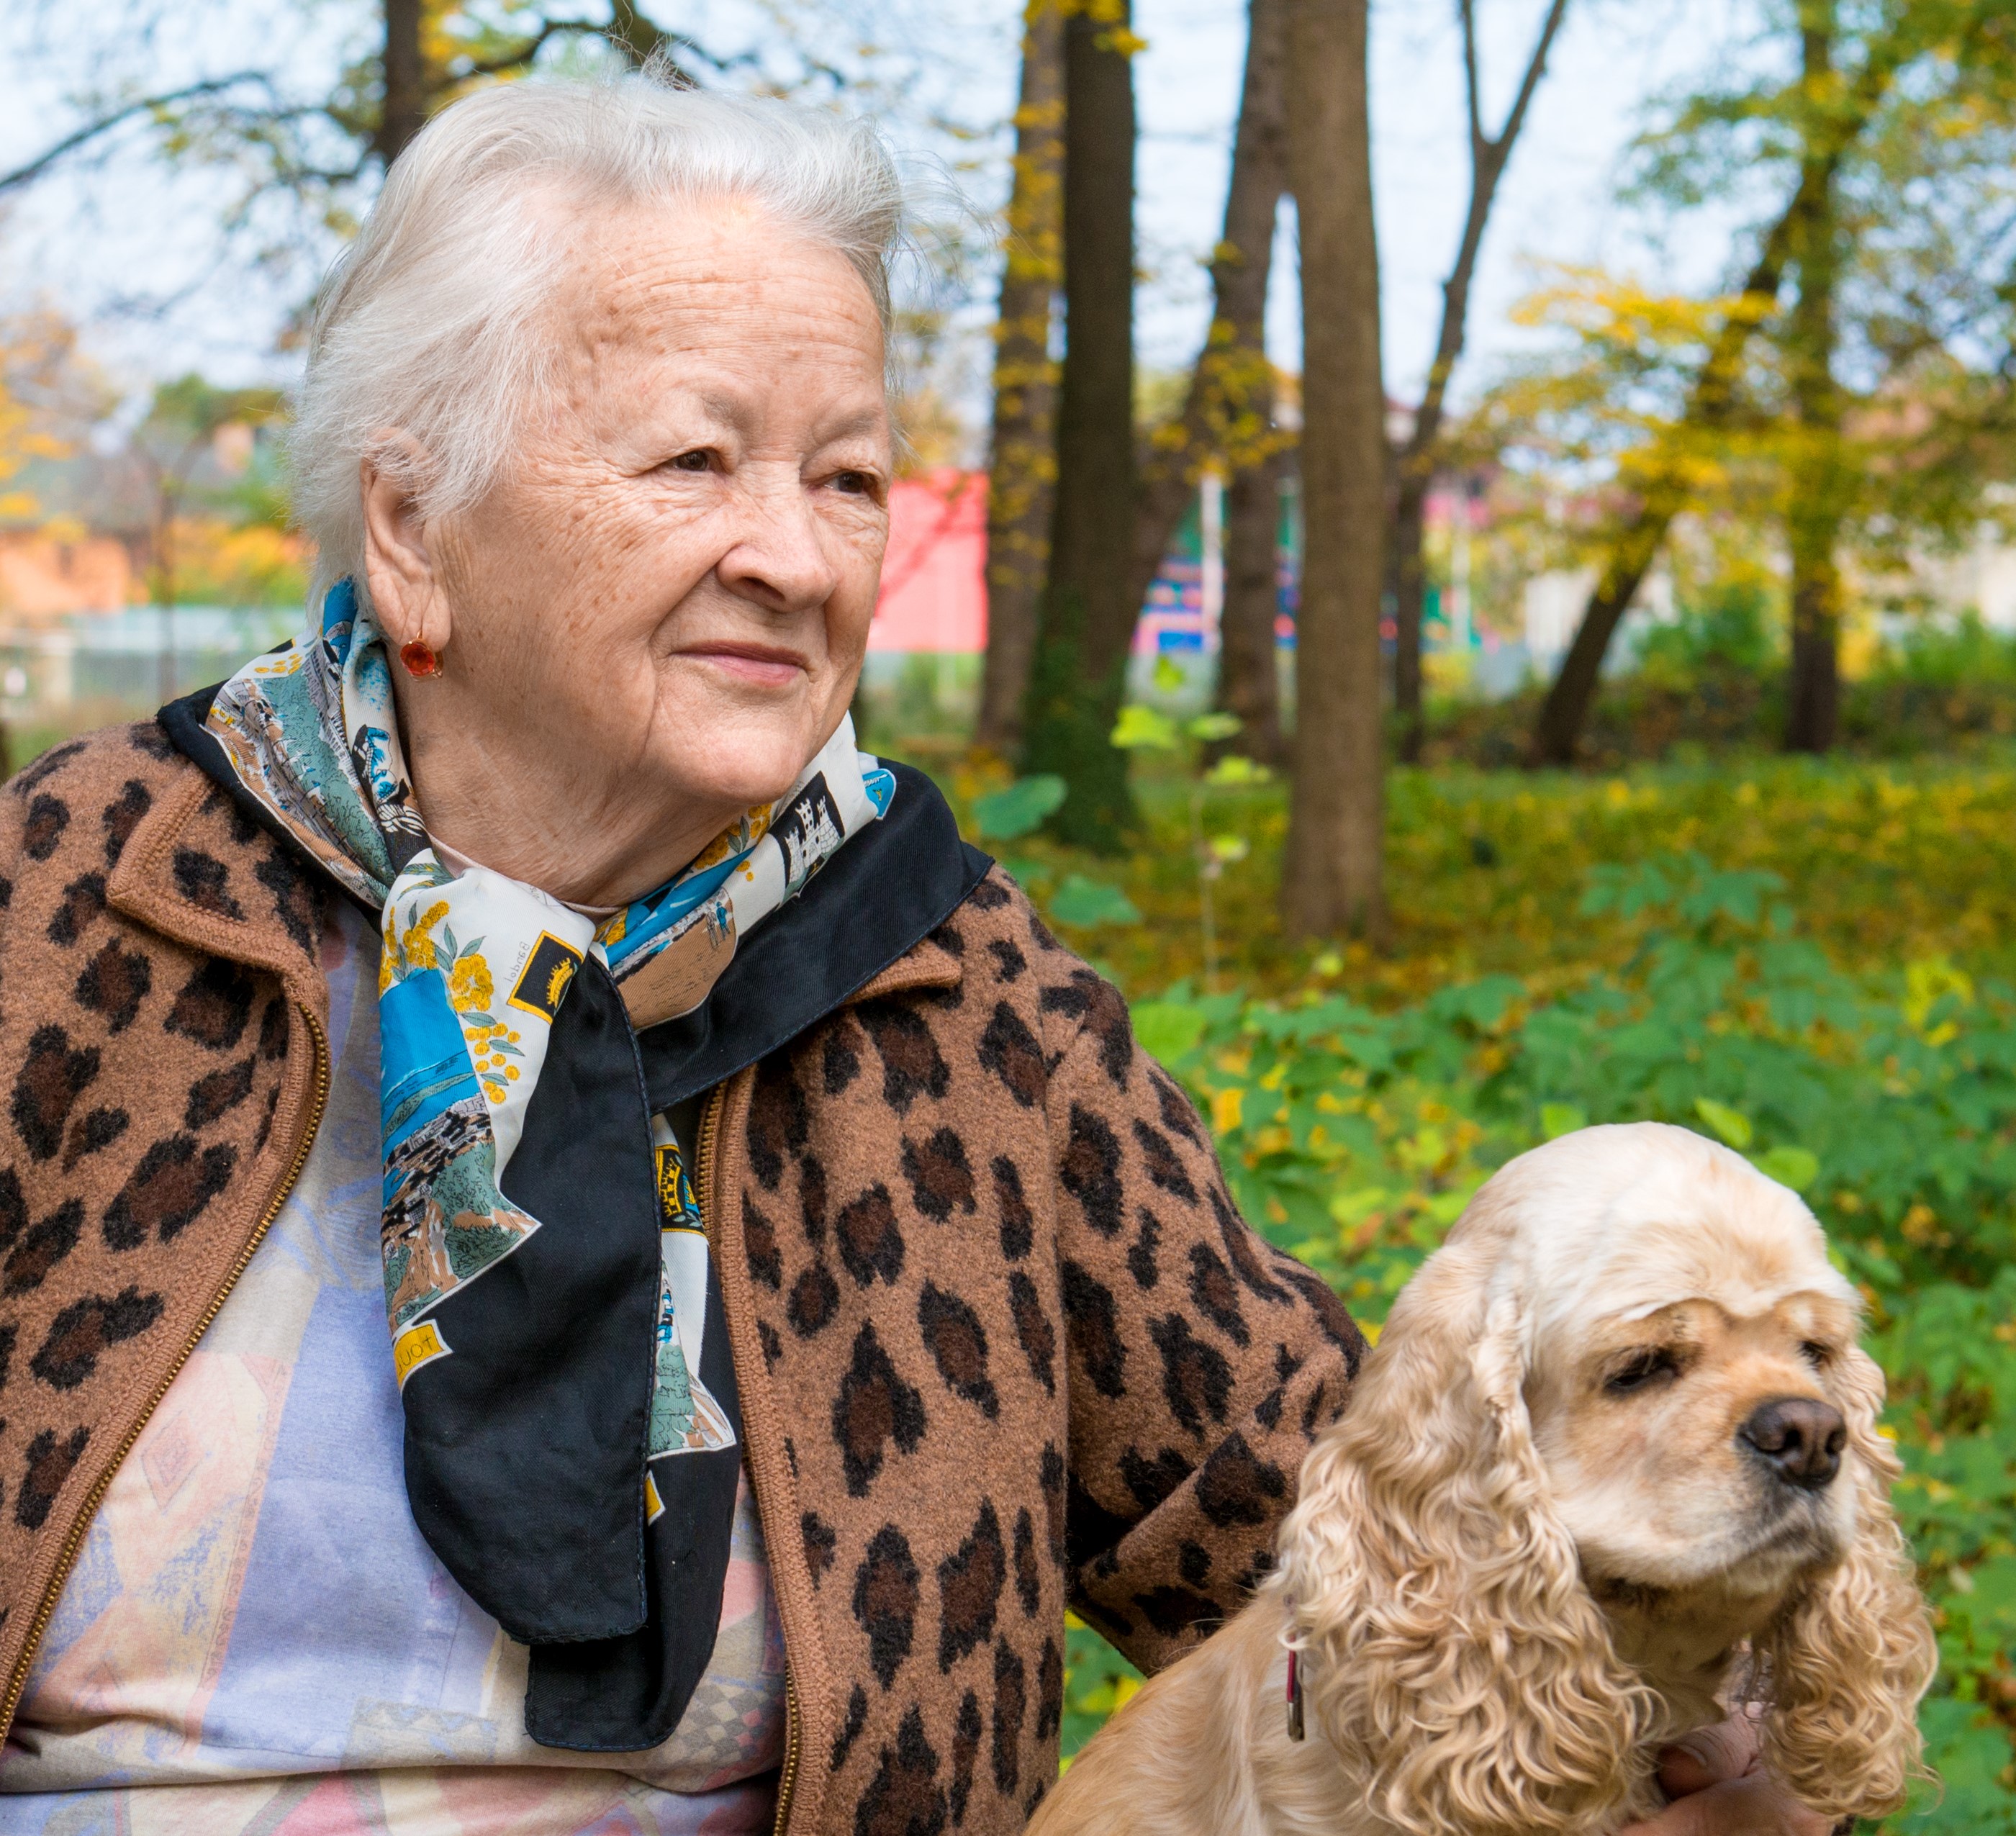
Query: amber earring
[{"x": 419, "y": 659}]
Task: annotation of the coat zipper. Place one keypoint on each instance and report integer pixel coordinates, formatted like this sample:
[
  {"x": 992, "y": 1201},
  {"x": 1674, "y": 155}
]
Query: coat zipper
[
  {"x": 790, "y": 1773},
  {"x": 703, "y": 1153},
  {"x": 19, "y": 1681}
]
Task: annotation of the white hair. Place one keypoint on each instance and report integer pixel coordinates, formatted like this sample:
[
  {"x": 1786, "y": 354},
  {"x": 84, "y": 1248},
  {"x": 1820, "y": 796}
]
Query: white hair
[{"x": 432, "y": 341}]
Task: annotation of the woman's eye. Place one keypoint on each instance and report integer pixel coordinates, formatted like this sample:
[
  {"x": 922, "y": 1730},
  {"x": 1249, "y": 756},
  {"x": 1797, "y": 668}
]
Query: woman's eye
[
  {"x": 700, "y": 459},
  {"x": 857, "y": 484},
  {"x": 1641, "y": 1369}
]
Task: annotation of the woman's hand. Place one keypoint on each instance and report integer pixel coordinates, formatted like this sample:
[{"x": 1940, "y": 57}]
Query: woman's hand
[{"x": 1720, "y": 1789}]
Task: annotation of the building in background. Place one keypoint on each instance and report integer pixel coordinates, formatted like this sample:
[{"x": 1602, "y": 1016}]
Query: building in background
[
  {"x": 49, "y": 573},
  {"x": 934, "y": 595}
]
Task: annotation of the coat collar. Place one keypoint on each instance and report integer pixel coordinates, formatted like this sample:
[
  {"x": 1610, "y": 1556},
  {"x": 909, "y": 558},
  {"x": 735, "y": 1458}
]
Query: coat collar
[
  {"x": 195, "y": 870},
  {"x": 926, "y": 964}
]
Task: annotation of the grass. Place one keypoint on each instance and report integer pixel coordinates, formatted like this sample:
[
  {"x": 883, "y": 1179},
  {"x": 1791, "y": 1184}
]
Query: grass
[{"x": 1884, "y": 860}]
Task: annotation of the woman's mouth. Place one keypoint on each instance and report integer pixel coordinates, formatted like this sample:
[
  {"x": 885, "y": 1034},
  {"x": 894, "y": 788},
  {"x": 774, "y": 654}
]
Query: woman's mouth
[{"x": 760, "y": 666}]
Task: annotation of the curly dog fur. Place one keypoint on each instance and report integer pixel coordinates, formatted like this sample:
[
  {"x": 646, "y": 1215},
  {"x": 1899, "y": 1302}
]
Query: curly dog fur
[{"x": 1540, "y": 1543}]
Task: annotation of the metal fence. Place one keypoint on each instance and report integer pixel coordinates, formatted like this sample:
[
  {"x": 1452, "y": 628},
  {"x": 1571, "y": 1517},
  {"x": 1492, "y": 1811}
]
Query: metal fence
[{"x": 107, "y": 664}]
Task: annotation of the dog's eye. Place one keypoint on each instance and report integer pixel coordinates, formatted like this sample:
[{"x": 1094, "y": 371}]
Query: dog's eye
[
  {"x": 1652, "y": 1365},
  {"x": 1818, "y": 1356}
]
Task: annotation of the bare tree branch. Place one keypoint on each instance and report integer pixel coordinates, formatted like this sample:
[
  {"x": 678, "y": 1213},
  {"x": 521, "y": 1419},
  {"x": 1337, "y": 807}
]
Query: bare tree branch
[
  {"x": 1414, "y": 463},
  {"x": 629, "y": 31},
  {"x": 34, "y": 169},
  {"x": 1491, "y": 155},
  {"x": 1536, "y": 67},
  {"x": 1472, "y": 84}
]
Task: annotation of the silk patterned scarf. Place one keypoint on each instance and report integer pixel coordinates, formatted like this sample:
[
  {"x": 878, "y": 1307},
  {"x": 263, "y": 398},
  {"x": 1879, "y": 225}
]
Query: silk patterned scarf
[{"x": 541, "y": 1472}]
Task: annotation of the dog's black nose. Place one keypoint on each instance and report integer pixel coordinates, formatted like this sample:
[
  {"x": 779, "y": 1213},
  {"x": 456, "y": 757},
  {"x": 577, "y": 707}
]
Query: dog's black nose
[{"x": 1800, "y": 1439}]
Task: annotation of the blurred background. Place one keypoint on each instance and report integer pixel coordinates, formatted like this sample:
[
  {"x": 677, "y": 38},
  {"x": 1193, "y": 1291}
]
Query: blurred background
[{"x": 1598, "y": 416}]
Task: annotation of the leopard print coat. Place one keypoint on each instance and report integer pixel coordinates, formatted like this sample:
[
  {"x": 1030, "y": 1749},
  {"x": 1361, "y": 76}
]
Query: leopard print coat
[{"x": 1004, "y": 1346}]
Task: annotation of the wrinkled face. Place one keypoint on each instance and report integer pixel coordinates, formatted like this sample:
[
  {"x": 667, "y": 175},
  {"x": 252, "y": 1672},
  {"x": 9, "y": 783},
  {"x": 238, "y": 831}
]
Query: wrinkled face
[
  {"x": 1701, "y": 1443},
  {"x": 665, "y": 602}
]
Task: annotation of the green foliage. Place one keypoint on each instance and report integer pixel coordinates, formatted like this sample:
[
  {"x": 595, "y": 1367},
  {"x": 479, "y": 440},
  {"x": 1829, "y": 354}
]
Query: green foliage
[
  {"x": 1730, "y": 628},
  {"x": 920, "y": 695},
  {"x": 1067, "y": 723},
  {"x": 1354, "y": 1138},
  {"x": 1006, "y": 815},
  {"x": 1950, "y": 657},
  {"x": 1097, "y": 1680},
  {"x": 1081, "y": 900},
  {"x": 191, "y": 409},
  {"x": 1889, "y": 862},
  {"x": 1731, "y": 1124},
  {"x": 1002, "y": 815},
  {"x": 1646, "y": 716},
  {"x": 1142, "y": 728}
]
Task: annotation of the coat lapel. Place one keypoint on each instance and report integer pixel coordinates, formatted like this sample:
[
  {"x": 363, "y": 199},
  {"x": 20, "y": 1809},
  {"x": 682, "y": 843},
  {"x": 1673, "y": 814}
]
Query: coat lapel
[{"x": 196, "y": 869}]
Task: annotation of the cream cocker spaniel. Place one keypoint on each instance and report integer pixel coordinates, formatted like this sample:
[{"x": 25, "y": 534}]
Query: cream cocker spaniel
[{"x": 1613, "y": 1464}]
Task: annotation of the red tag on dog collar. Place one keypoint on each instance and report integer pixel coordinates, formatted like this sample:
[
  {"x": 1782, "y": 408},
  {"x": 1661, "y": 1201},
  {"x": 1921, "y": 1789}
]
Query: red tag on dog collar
[{"x": 1294, "y": 1694}]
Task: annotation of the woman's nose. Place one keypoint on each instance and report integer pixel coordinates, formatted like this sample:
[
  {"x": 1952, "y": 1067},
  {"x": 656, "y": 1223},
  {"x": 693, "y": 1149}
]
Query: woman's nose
[
  {"x": 1800, "y": 1438},
  {"x": 781, "y": 560}
]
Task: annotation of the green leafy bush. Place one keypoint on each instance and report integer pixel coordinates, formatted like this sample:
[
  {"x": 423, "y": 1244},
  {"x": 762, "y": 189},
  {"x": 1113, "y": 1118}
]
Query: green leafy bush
[
  {"x": 1006, "y": 815},
  {"x": 1950, "y": 655},
  {"x": 1729, "y": 629}
]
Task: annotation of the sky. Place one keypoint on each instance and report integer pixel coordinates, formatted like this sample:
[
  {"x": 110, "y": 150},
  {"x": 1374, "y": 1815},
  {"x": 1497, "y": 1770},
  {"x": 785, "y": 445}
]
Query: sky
[
  {"x": 133, "y": 251},
  {"x": 1553, "y": 205}
]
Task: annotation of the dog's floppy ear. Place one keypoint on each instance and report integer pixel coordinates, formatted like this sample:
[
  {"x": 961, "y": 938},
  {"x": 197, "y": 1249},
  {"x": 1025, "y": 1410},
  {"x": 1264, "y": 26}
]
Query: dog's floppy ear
[
  {"x": 1455, "y": 1660},
  {"x": 1845, "y": 1665}
]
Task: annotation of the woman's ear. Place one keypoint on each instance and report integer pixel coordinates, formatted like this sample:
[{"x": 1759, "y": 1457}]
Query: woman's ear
[
  {"x": 1456, "y": 1663},
  {"x": 1846, "y": 1664},
  {"x": 402, "y": 569}
]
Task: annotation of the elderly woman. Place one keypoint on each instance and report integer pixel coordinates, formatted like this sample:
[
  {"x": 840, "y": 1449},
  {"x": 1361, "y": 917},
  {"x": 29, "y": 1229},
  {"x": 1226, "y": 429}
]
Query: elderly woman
[{"x": 570, "y": 1259}]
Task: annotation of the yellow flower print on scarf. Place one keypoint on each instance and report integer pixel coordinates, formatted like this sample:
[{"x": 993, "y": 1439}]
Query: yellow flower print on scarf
[
  {"x": 417, "y": 946},
  {"x": 492, "y": 1043},
  {"x": 428, "y": 942},
  {"x": 469, "y": 985},
  {"x": 411, "y": 950},
  {"x": 737, "y": 838}
]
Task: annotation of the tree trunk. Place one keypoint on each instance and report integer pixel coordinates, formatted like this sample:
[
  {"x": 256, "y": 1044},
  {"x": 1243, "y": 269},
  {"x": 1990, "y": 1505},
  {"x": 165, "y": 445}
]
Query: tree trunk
[
  {"x": 1248, "y": 678},
  {"x": 1333, "y": 878},
  {"x": 1414, "y": 470},
  {"x": 1022, "y": 465},
  {"x": 1813, "y": 704},
  {"x": 1228, "y": 414},
  {"x": 1089, "y": 613},
  {"x": 1816, "y": 512},
  {"x": 1408, "y": 565},
  {"x": 404, "y": 112},
  {"x": 1711, "y": 404}
]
